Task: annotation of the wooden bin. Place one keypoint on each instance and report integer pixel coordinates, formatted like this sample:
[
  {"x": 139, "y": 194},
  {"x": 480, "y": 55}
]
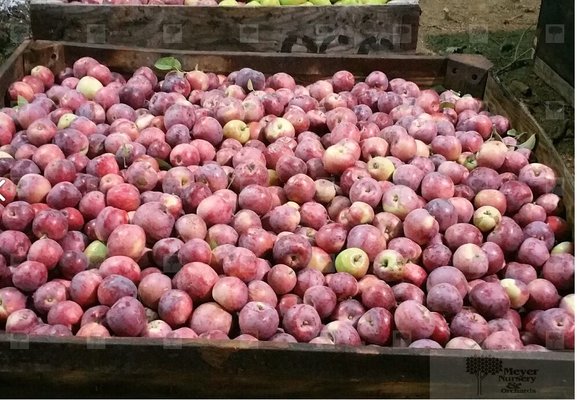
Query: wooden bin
[
  {"x": 122, "y": 367},
  {"x": 555, "y": 50},
  {"x": 289, "y": 29}
]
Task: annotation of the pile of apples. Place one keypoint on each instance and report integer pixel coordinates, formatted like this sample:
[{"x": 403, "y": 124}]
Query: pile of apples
[
  {"x": 233, "y": 3},
  {"x": 246, "y": 207}
]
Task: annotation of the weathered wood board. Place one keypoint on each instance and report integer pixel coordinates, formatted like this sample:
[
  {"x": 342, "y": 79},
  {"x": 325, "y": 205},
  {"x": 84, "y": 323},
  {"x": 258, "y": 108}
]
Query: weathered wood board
[
  {"x": 289, "y": 29},
  {"x": 502, "y": 100},
  {"x": 555, "y": 49},
  {"x": 148, "y": 368}
]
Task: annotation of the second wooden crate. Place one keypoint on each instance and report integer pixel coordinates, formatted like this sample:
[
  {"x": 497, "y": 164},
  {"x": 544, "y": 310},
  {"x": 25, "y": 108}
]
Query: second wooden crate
[{"x": 378, "y": 29}]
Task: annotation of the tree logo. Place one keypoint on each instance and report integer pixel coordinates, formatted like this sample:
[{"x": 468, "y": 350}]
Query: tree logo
[{"x": 481, "y": 367}]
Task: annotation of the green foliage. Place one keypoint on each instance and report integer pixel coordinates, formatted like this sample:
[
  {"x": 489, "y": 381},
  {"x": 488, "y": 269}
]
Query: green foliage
[{"x": 168, "y": 64}]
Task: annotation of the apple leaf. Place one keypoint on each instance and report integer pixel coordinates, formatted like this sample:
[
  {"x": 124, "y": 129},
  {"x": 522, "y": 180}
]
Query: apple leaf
[
  {"x": 21, "y": 101},
  {"x": 249, "y": 86},
  {"x": 495, "y": 135},
  {"x": 455, "y": 49},
  {"x": 529, "y": 143},
  {"x": 512, "y": 132},
  {"x": 231, "y": 181},
  {"x": 167, "y": 64},
  {"x": 163, "y": 164},
  {"x": 446, "y": 104}
]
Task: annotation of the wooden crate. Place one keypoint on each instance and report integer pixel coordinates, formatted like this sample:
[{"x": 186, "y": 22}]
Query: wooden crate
[
  {"x": 555, "y": 50},
  {"x": 124, "y": 367},
  {"x": 289, "y": 29}
]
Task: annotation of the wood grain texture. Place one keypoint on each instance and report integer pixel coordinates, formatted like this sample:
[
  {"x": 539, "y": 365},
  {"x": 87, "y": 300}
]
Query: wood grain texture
[
  {"x": 553, "y": 79},
  {"x": 329, "y": 29},
  {"x": 12, "y": 70},
  {"x": 556, "y": 37},
  {"x": 122, "y": 367},
  {"x": 465, "y": 73},
  {"x": 501, "y": 100}
]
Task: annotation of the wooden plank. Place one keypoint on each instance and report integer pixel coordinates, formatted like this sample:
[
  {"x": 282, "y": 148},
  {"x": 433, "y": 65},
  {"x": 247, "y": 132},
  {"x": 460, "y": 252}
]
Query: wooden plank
[
  {"x": 325, "y": 29},
  {"x": 121, "y": 367},
  {"x": 553, "y": 79},
  {"x": 501, "y": 100},
  {"x": 465, "y": 73},
  {"x": 12, "y": 70},
  {"x": 425, "y": 70},
  {"x": 556, "y": 37}
]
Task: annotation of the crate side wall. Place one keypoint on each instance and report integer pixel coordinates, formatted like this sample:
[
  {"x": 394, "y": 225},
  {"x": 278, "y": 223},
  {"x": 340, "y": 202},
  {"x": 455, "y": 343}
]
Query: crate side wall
[{"x": 320, "y": 30}]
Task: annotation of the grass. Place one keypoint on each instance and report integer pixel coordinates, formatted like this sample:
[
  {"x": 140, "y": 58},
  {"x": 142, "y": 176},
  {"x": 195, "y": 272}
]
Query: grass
[{"x": 501, "y": 47}]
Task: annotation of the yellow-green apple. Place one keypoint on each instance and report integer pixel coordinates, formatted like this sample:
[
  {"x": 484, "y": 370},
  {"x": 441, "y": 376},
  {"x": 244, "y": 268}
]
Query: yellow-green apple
[
  {"x": 353, "y": 261},
  {"x": 88, "y": 86},
  {"x": 486, "y": 218},
  {"x": 236, "y": 129}
]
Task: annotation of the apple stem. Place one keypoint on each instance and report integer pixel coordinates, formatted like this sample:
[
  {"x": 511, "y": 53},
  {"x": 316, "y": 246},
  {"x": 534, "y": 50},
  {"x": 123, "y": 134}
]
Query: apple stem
[{"x": 231, "y": 181}]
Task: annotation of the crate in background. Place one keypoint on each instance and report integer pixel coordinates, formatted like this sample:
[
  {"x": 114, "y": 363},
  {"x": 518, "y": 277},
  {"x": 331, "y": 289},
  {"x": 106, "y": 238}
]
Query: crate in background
[{"x": 371, "y": 29}]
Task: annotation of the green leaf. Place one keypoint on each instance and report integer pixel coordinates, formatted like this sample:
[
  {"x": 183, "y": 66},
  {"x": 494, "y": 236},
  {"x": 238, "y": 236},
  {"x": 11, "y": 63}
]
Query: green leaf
[
  {"x": 495, "y": 135},
  {"x": 529, "y": 143},
  {"x": 167, "y": 64},
  {"x": 455, "y": 49},
  {"x": 249, "y": 85},
  {"x": 438, "y": 88},
  {"x": 163, "y": 164},
  {"x": 512, "y": 132},
  {"x": 446, "y": 104},
  {"x": 21, "y": 101}
]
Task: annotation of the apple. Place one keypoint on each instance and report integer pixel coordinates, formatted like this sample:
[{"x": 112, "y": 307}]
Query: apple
[
  {"x": 353, "y": 261},
  {"x": 236, "y": 129},
  {"x": 486, "y": 218},
  {"x": 340, "y": 156},
  {"x": 278, "y": 127}
]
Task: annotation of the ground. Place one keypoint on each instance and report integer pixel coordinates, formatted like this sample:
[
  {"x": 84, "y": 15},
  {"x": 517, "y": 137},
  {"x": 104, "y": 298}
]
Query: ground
[{"x": 501, "y": 30}]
